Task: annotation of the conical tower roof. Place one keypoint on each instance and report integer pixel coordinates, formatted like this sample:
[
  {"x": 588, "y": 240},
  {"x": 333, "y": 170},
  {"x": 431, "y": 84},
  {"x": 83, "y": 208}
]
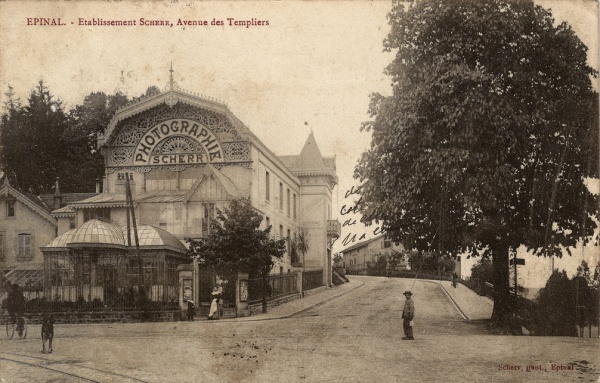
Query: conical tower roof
[{"x": 310, "y": 156}]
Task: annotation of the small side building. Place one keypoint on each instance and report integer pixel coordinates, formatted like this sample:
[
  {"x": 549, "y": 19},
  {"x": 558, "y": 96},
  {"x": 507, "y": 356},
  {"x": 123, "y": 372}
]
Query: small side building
[
  {"x": 27, "y": 223},
  {"x": 358, "y": 257}
]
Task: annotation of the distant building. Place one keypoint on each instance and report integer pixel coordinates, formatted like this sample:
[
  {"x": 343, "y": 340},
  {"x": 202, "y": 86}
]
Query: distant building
[{"x": 358, "y": 257}]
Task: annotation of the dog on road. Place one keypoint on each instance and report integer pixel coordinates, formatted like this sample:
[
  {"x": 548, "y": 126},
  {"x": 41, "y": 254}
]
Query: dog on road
[{"x": 47, "y": 332}]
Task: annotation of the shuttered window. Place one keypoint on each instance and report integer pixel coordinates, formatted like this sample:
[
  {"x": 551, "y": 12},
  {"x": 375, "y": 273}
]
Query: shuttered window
[{"x": 24, "y": 252}]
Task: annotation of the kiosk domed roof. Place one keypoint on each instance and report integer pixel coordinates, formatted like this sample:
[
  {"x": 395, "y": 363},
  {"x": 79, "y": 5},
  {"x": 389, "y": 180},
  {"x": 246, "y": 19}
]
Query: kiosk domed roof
[
  {"x": 98, "y": 233},
  {"x": 63, "y": 239},
  {"x": 91, "y": 233},
  {"x": 150, "y": 236}
]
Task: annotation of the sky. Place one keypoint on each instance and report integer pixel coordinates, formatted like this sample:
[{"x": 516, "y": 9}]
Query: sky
[{"x": 311, "y": 68}]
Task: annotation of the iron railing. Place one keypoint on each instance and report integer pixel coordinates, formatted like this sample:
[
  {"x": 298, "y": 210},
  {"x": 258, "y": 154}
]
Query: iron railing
[
  {"x": 277, "y": 286},
  {"x": 312, "y": 279}
]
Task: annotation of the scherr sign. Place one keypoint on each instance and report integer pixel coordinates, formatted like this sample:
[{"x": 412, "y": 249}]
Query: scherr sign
[{"x": 145, "y": 150}]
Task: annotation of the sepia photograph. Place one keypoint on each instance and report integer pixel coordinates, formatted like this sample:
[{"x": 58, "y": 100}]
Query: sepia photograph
[{"x": 299, "y": 191}]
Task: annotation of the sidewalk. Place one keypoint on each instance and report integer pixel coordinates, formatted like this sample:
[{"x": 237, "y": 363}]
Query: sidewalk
[
  {"x": 302, "y": 304},
  {"x": 471, "y": 305}
]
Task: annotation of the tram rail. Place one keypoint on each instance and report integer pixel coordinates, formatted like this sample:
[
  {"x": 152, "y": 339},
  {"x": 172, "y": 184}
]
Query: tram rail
[{"x": 88, "y": 374}]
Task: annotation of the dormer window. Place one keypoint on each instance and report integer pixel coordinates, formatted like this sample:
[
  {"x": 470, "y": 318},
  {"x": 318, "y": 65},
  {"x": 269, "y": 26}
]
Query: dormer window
[{"x": 101, "y": 214}]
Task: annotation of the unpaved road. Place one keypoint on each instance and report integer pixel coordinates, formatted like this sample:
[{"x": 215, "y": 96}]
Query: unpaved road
[{"x": 353, "y": 338}]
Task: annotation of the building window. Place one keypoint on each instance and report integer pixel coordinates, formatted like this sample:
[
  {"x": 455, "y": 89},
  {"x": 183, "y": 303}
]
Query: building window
[
  {"x": 280, "y": 196},
  {"x": 101, "y": 214},
  {"x": 71, "y": 224},
  {"x": 280, "y": 231},
  {"x": 289, "y": 239},
  {"x": 294, "y": 205},
  {"x": 387, "y": 243},
  {"x": 1, "y": 247},
  {"x": 268, "y": 222},
  {"x": 267, "y": 187},
  {"x": 209, "y": 214},
  {"x": 288, "y": 202},
  {"x": 24, "y": 252},
  {"x": 124, "y": 176},
  {"x": 10, "y": 208}
]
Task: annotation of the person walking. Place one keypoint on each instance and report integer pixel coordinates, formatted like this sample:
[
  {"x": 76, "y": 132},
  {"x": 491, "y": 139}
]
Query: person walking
[
  {"x": 408, "y": 313},
  {"x": 191, "y": 310}
]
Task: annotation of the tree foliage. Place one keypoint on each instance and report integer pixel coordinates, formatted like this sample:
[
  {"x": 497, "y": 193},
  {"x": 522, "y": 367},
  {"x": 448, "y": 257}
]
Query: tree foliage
[
  {"x": 481, "y": 272},
  {"x": 237, "y": 244},
  {"x": 488, "y": 135},
  {"x": 431, "y": 262},
  {"x": 89, "y": 120},
  {"x": 565, "y": 304},
  {"x": 302, "y": 243},
  {"x": 40, "y": 141},
  {"x": 33, "y": 141},
  {"x": 587, "y": 288},
  {"x": 557, "y": 305}
]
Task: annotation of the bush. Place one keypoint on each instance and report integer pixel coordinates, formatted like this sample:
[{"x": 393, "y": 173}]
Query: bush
[
  {"x": 557, "y": 306},
  {"x": 481, "y": 273}
]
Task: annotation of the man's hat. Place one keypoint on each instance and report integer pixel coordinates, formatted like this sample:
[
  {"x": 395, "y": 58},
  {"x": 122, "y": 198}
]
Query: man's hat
[{"x": 407, "y": 292}]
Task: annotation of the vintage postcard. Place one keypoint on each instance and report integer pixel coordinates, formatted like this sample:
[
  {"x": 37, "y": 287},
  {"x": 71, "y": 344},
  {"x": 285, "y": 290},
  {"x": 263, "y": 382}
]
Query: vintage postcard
[{"x": 128, "y": 127}]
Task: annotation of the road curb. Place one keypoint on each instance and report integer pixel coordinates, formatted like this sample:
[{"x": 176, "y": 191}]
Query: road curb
[{"x": 454, "y": 302}]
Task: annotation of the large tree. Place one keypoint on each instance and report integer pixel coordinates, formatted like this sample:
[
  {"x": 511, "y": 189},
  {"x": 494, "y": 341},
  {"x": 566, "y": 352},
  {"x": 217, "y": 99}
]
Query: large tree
[
  {"x": 488, "y": 136},
  {"x": 33, "y": 141},
  {"x": 40, "y": 141},
  {"x": 237, "y": 244},
  {"x": 89, "y": 120}
]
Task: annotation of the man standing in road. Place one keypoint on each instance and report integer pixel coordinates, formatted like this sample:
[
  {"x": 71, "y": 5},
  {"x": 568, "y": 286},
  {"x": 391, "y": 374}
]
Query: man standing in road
[{"x": 408, "y": 314}]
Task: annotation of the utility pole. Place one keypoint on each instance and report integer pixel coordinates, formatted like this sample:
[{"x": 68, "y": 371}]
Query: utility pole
[
  {"x": 579, "y": 329},
  {"x": 131, "y": 210},
  {"x": 515, "y": 266}
]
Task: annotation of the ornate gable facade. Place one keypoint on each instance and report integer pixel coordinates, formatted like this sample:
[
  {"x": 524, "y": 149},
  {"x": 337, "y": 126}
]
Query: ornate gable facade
[{"x": 173, "y": 137}]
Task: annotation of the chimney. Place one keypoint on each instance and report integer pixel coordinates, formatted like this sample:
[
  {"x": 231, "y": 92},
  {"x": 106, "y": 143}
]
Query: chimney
[
  {"x": 57, "y": 196},
  {"x": 97, "y": 186}
]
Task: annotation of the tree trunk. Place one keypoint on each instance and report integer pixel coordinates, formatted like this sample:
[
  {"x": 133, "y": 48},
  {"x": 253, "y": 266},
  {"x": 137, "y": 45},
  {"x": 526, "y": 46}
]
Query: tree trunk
[{"x": 502, "y": 303}]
